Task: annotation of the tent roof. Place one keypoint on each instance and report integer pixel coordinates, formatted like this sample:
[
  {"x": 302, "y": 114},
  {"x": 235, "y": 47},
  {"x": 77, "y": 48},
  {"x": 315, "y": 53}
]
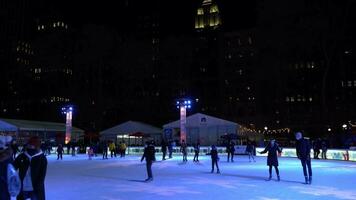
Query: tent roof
[
  {"x": 27, "y": 125},
  {"x": 200, "y": 119},
  {"x": 131, "y": 127}
]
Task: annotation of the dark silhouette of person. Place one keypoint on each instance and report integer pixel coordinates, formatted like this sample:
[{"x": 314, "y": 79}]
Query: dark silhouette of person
[
  {"x": 214, "y": 159},
  {"x": 272, "y": 158},
  {"x": 303, "y": 152},
  {"x": 196, "y": 152},
  {"x": 149, "y": 155},
  {"x": 164, "y": 149}
]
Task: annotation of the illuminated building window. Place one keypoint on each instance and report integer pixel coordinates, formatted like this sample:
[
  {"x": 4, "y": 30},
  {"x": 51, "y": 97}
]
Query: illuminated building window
[
  {"x": 62, "y": 24},
  {"x": 342, "y": 84},
  {"x": 310, "y": 99},
  {"x": 38, "y": 27},
  {"x": 42, "y": 27},
  {"x": 54, "y": 25},
  {"x": 349, "y": 83},
  {"x": 200, "y": 11},
  {"x": 292, "y": 99},
  {"x": 58, "y": 23},
  {"x": 354, "y": 83},
  {"x": 66, "y": 26},
  {"x": 214, "y": 9}
]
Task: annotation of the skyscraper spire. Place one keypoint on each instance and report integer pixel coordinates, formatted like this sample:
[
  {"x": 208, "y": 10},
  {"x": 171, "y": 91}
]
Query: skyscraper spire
[{"x": 208, "y": 15}]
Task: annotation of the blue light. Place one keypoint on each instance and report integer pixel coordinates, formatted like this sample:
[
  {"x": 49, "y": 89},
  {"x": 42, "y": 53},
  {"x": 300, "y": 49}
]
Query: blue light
[
  {"x": 189, "y": 102},
  {"x": 185, "y": 102},
  {"x": 178, "y": 107},
  {"x": 70, "y": 108},
  {"x": 189, "y": 106},
  {"x": 177, "y": 102}
]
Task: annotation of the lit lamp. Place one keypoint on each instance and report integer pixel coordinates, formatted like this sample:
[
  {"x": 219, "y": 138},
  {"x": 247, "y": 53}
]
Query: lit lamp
[
  {"x": 183, "y": 105},
  {"x": 68, "y": 112}
]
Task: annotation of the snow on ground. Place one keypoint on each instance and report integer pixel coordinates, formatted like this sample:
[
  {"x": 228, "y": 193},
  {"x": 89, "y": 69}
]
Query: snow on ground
[{"x": 123, "y": 178}]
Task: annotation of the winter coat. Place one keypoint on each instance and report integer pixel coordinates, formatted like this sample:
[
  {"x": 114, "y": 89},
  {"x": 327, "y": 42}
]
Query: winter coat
[
  {"x": 183, "y": 148},
  {"x": 112, "y": 146},
  {"x": 149, "y": 153},
  {"x": 197, "y": 148},
  {"x": 122, "y": 146},
  {"x": 303, "y": 148},
  {"x": 164, "y": 147},
  {"x": 272, "y": 157},
  {"x": 60, "y": 150},
  {"x": 38, "y": 172},
  {"x": 249, "y": 148},
  {"x": 232, "y": 148},
  {"x": 214, "y": 154},
  {"x": 5, "y": 159}
]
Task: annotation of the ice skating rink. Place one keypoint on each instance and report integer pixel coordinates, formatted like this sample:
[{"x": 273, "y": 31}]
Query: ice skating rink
[{"x": 121, "y": 179}]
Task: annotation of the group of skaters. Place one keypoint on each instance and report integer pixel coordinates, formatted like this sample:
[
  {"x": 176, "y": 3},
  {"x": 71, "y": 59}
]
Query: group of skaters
[
  {"x": 113, "y": 149},
  {"x": 273, "y": 150},
  {"x": 318, "y": 145}
]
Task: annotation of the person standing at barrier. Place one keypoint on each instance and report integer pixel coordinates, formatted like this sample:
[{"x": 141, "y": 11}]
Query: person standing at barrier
[
  {"x": 196, "y": 152},
  {"x": 149, "y": 155},
  {"x": 303, "y": 152},
  {"x": 214, "y": 159},
  {"x": 122, "y": 149},
  {"x": 183, "y": 149},
  {"x": 250, "y": 150},
  {"x": 272, "y": 158}
]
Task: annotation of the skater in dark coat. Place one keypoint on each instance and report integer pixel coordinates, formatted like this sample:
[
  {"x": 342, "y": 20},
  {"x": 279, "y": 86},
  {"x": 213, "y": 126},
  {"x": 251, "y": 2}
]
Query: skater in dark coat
[
  {"x": 303, "y": 148},
  {"x": 250, "y": 150},
  {"x": 183, "y": 149},
  {"x": 149, "y": 155},
  {"x": 60, "y": 152},
  {"x": 105, "y": 150},
  {"x": 164, "y": 150},
  {"x": 230, "y": 148},
  {"x": 5, "y": 159},
  {"x": 272, "y": 158},
  {"x": 196, "y": 152},
  {"x": 32, "y": 166},
  {"x": 214, "y": 159}
]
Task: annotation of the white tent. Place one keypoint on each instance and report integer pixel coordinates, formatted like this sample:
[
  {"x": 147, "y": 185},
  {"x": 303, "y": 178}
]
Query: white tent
[
  {"x": 132, "y": 130},
  {"x": 207, "y": 129}
]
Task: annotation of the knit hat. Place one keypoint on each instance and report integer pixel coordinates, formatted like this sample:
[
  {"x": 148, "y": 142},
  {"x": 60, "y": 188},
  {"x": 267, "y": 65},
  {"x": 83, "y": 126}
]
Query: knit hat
[
  {"x": 34, "y": 141},
  {"x": 4, "y": 141}
]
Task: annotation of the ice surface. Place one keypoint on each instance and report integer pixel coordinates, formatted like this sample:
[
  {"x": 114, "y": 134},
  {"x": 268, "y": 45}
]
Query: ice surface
[{"x": 123, "y": 178}]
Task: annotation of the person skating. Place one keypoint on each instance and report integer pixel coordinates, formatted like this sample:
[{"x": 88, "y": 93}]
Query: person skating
[
  {"x": 32, "y": 166},
  {"x": 105, "y": 150},
  {"x": 164, "y": 149},
  {"x": 183, "y": 149},
  {"x": 149, "y": 156},
  {"x": 250, "y": 150},
  {"x": 214, "y": 159},
  {"x": 324, "y": 149},
  {"x": 196, "y": 152},
  {"x": 316, "y": 148},
  {"x": 6, "y": 158},
  {"x": 60, "y": 152},
  {"x": 272, "y": 159},
  {"x": 170, "y": 148},
  {"x": 303, "y": 149}
]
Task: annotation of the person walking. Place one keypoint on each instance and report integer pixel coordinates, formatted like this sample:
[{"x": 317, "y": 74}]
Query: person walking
[
  {"x": 183, "y": 149},
  {"x": 214, "y": 159},
  {"x": 149, "y": 156},
  {"x": 196, "y": 152},
  {"x": 60, "y": 152},
  {"x": 272, "y": 158},
  {"x": 164, "y": 149},
  {"x": 14, "y": 148},
  {"x": 250, "y": 150},
  {"x": 6, "y": 158},
  {"x": 32, "y": 166},
  {"x": 303, "y": 149}
]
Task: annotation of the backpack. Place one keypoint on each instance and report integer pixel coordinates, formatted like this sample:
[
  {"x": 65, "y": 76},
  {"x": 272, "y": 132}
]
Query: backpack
[{"x": 13, "y": 181}]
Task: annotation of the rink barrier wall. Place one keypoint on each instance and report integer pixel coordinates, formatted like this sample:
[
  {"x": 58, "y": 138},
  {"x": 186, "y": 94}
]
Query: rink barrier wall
[{"x": 332, "y": 154}]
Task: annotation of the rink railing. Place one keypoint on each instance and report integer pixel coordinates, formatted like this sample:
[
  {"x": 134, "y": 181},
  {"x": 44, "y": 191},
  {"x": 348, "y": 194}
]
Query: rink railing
[{"x": 332, "y": 154}]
